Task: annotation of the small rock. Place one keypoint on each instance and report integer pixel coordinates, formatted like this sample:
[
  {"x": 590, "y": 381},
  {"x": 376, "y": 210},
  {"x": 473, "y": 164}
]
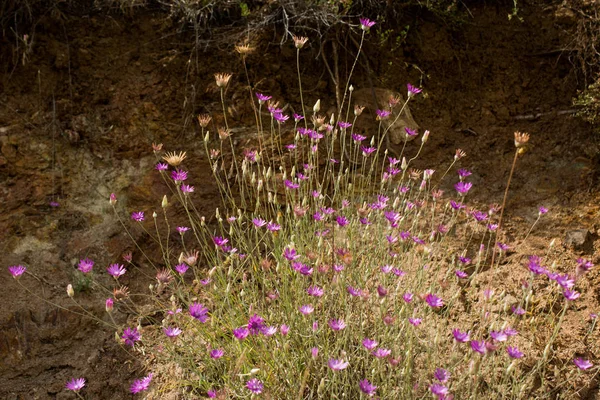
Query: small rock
[{"x": 579, "y": 240}]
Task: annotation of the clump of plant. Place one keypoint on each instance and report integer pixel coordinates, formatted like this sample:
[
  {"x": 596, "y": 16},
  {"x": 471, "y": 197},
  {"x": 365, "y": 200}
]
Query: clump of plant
[{"x": 334, "y": 271}]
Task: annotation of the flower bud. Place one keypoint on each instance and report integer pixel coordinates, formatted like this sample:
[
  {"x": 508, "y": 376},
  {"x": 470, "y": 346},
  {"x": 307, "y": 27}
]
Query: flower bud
[
  {"x": 109, "y": 305},
  {"x": 70, "y": 291},
  {"x": 113, "y": 199},
  {"x": 165, "y": 201},
  {"x": 317, "y": 106},
  {"x": 425, "y": 137}
]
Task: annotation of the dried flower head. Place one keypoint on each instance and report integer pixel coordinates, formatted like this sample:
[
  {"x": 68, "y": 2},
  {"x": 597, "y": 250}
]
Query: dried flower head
[
  {"x": 164, "y": 276},
  {"x": 157, "y": 147},
  {"x": 299, "y": 41},
  {"x": 121, "y": 293},
  {"x": 222, "y": 79},
  {"x": 244, "y": 49},
  {"x": 358, "y": 110},
  {"x": 204, "y": 120},
  {"x": 393, "y": 101},
  {"x": 521, "y": 139},
  {"x": 459, "y": 154},
  {"x": 174, "y": 159},
  {"x": 224, "y": 133}
]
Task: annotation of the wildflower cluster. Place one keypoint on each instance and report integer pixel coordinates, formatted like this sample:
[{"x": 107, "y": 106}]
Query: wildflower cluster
[{"x": 332, "y": 267}]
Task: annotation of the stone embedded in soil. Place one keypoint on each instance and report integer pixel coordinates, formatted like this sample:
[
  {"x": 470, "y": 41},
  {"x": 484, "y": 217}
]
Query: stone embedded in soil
[{"x": 579, "y": 240}]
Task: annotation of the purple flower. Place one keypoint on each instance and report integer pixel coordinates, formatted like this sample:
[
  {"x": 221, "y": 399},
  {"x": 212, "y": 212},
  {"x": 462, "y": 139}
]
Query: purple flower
[
  {"x": 502, "y": 246},
  {"x": 16, "y": 270},
  {"x": 455, "y": 205},
  {"x": 571, "y": 295},
  {"x": 336, "y": 324},
  {"x": 441, "y": 375},
  {"x": 116, "y": 270},
  {"x": 439, "y": 390},
  {"x": 290, "y": 254},
  {"x": 434, "y": 301},
  {"x": 358, "y": 138},
  {"x": 219, "y": 241},
  {"x": 415, "y": 321},
  {"x": 314, "y": 291},
  {"x": 314, "y": 352},
  {"x": 479, "y": 346},
  {"x": 137, "y": 216},
  {"x": 463, "y": 173},
  {"x": 130, "y": 336},
  {"x": 291, "y": 185},
  {"x": 582, "y": 364},
  {"x": 186, "y": 188},
  {"x": 298, "y": 117},
  {"x": 179, "y": 175},
  {"x": 408, "y": 297},
  {"x": 517, "y": 310},
  {"x": 284, "y": 329},
  {"x": 269, "y": 331},
  {"x": 109, "y": 304},
  {"x": 254, "y": 385},
  {"x": 382, "y": 114},
  {"x": 262, "y": 97},
  {"x": 75, "y": 384},
  {"x": 381, "y": 291},
  {"x": 366, "y": 24},
  {"x": 410, "y": 132},
  {"x": 306, "y": 309},
  {"x": 463, "y": 187},
  {"x": 565, "y": 281},
  {"x": 199, "y": 312},
  {"x": 172, "y": 331},
  {"x": 54, "y": 204},
  {"x": 542, "y": 210},
  {"x": 211, "y": 394},
  {"x": 508, "y": 331},
  {"x": 412, "y": 90},
  {"x": 461, "y": 337},
  {"x": 241, "y": 333},
  {"x": 337, "y": 365},
  {"x": 256, "y": 324},
  {"x": 382, "y": 353},
  {"x": 367, "y": 150},
  {"x": 273, "y": 227},
  {"x": 279, "y": 117},
  {"x": 369, "y": 344},
  {"x": 514, "y": 352},
  {"x": 461, "y": 274},
  {"x": 216, "y": 353},
  {"x": 344, "y": 125},
  {"x": 341, "y": 220},
  {"x": 367, "y": 387},
  {"x": 85, "y": 265},
  {"x": 162, "y": 166},
  {"x": 500, "y": 336},
  {"x": 259, "y": 222},
  {"x": 398, "y": 272},
  {"x": 181, "y": 268},
  {"x": 139, "y": 385},
  {"x": 353, "y": 291}
]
